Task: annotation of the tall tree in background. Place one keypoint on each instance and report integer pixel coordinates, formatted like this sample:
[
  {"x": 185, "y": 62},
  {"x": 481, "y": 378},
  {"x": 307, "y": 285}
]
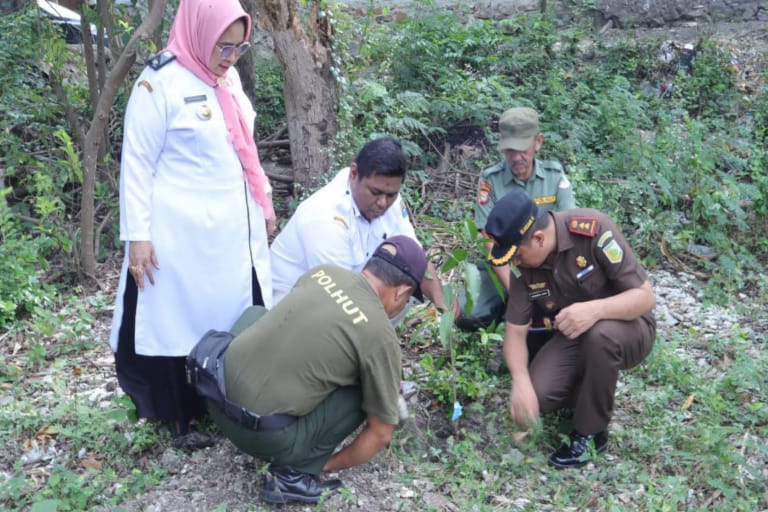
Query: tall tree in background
[
  {"x": 304, "y": 52},
  {"x": 94, "y": 136}
]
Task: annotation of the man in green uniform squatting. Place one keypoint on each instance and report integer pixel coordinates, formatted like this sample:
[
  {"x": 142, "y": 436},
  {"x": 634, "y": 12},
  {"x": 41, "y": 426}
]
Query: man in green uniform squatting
[
  {"x": 544, "y": 181},
  {"x": 324, "y": 360},
  {"x": 578, "y": 265}
]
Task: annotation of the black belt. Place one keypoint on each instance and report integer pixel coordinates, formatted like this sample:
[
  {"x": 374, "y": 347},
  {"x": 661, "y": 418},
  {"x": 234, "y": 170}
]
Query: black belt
[{"x": 255, "y": 421}]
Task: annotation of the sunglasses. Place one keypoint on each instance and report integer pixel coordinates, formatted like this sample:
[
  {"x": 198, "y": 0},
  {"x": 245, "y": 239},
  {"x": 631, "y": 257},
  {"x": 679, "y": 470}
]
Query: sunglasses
[{"x": 227, "y": 50}]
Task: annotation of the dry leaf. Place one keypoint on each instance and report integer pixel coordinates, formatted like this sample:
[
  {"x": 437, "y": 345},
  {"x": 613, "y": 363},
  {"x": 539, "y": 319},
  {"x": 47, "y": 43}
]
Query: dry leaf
[
  {"x": 688, "y": 403},
  {"x": 519, "y": 437},
  {"x": 47, "y": 432},
  {"x": 91, "y": 462}
]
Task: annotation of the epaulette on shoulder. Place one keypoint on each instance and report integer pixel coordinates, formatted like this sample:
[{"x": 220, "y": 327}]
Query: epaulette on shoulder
[
  {"x": 493, "y": 169},
  {"x": 552, "y": 166},
  {"x": 160, "y": 60},
  {"x": 585, "y": 226}
]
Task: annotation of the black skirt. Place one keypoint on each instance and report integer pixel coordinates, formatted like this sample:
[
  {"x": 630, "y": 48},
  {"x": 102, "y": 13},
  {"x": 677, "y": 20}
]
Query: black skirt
[{"x": 158, "y": 385}]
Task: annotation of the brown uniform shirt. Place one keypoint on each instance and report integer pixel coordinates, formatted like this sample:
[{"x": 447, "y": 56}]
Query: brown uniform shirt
[{"x": 592, "y": 261}]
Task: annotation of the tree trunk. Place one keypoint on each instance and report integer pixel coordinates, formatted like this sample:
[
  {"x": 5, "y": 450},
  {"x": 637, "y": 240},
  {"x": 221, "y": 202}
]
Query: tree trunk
[
  {"x": 245, "y": 63},
  {"x": 310, "y": 91},
  {"x": 94, "y": 137},
  {"x": 96, "y": 69},
  {"x": 247, "y": 75}
]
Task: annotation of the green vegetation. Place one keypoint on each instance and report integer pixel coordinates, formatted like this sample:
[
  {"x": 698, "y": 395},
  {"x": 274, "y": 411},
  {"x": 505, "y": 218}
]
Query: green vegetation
[
  {"x": 682, "y": 169},
  {"x": 691, "y": 438},
  {"x": 678, "y": 170}
]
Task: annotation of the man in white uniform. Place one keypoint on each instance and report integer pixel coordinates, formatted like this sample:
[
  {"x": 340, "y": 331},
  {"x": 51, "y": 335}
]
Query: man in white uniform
[{"x": 345, "y": 221}]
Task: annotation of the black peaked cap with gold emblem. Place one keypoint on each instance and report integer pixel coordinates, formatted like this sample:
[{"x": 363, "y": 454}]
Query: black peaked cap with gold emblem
[{"x": 508, "y": 223}]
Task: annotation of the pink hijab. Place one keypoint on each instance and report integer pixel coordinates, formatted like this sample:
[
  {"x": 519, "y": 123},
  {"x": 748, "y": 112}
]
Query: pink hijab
[{"x": 195, "y": 30}]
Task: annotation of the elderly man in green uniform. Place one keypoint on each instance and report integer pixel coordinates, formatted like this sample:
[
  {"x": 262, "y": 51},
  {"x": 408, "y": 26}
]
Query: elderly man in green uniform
[
  {"x": 577, "y": 266},
  {"x": 307, "y": 373},
  {"x": 543, "y": 180}
]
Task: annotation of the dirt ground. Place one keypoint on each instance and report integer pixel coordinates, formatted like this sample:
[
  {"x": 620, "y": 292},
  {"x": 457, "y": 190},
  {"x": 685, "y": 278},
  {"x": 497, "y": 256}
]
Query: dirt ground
[{"x": 222, "y": 478}]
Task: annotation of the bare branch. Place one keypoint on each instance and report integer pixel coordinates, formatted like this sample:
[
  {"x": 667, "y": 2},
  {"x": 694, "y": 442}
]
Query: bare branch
[{"x": 94, "y": 137}]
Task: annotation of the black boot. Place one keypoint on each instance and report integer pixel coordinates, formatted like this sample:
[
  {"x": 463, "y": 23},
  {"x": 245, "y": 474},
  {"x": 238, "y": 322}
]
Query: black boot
[
  {"x": 284, "y": 484},
  {"x": 576, "y": 453},
  {"x": 188, "y": 438}
]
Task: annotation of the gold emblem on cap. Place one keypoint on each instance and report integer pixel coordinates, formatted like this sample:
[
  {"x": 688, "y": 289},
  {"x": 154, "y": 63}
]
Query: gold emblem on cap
[
  {"x": 581, "y": 261},
  {"x": 504, "y": 259},
  {"x": 204, "y": 112}
]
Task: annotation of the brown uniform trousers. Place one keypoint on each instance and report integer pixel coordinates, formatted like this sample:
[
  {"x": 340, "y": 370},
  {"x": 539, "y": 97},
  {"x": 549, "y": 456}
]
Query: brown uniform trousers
[{"x": 582, "y": 373}]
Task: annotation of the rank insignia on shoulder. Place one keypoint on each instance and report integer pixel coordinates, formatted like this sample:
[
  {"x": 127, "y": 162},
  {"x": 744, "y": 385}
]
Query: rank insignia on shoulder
[
  {"x": 585, "y": 226},
  {"x": 146, "y": 85},
  {"x": 341, "y": 221},
  {"x": 160, "y": 60}
]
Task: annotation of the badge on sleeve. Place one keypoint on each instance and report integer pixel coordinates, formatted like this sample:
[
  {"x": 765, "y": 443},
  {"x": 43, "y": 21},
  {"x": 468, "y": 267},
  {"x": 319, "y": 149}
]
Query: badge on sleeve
[
  {"x": 341, "y": 221},
  {"x": 484, "y": 194},
  {"x": 146, "y": 85},
  {"x": 604, "y": 238},
  {"x": 585, "y": 226},
  {"x": 614, "y": 252}
]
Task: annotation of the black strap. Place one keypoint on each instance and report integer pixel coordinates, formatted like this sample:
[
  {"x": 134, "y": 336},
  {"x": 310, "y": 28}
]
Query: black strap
[
  {"x": 208, "y": 356},
  {"x": 255, "y": 421}
]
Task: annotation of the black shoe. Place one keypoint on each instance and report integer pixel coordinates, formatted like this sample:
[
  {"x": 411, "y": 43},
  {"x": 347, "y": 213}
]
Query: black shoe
[
  {"x": 577, "y": 453},
  {"x": 284, "y": 484},
  {"x": 192, "y": 440}
]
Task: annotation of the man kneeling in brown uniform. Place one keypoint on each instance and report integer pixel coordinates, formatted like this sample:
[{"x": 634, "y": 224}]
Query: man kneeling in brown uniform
[{"x": 578, "y": 264}]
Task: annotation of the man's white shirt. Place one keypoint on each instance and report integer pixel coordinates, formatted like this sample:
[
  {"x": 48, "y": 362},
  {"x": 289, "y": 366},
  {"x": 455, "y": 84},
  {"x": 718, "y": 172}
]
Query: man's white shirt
[{"x": 327, "y": 227}]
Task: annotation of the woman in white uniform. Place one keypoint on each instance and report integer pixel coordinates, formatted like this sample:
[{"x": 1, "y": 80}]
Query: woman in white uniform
[{"x": 195, "y": 208}]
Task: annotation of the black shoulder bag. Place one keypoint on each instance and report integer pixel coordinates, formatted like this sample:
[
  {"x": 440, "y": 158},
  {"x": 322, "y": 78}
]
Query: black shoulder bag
[{"x": 205, "y": 365}]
